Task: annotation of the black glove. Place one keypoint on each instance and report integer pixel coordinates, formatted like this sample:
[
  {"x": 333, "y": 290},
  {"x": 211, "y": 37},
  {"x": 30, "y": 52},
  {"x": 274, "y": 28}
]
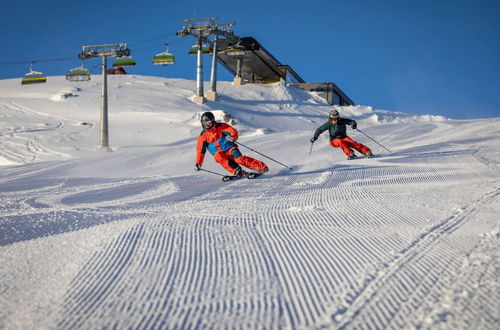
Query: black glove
[
  {"x": 197, "y": 167},
  {"x": 313, "y": 139},
  {"x": 354, "y": 125}
]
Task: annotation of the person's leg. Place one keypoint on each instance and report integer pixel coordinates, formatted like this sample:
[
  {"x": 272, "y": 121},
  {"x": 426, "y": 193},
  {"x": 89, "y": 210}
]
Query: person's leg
[
  {"x": 226, "y": 161},
  {"x": 247, "y": 161},
  {"x": 356, "y": 145},
  {"x": 340, "y": 143}
]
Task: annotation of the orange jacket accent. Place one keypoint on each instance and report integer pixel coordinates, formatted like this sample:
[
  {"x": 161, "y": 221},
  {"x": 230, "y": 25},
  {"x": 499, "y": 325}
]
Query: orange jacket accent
[{"x": 212, "y": 139}]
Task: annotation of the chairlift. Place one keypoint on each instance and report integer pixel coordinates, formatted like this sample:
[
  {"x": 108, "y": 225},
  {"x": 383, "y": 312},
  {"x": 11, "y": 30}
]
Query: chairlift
[
  {"x": 78, "y": 74},
  {"x": 33, "y": 77},
  {"x": 194, "y": 49},
  {"x": 124, "y": 61},
  {"x": 235, "y": 50},
  {"x": 164, "y": 58}
]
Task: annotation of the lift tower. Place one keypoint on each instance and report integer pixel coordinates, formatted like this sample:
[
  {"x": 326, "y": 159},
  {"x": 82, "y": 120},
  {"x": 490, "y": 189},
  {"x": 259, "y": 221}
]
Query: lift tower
[
  {"x": 202, "y": 29},
  {"x": 224, "y": 30},
  {"x": 103, "y": 51}
]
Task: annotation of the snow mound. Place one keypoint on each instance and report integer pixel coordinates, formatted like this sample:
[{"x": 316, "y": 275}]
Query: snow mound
[
  {"x": 259, "y": 131},
  {"x": 377, "y": 117},
  {"x": 61, "y": 96}
]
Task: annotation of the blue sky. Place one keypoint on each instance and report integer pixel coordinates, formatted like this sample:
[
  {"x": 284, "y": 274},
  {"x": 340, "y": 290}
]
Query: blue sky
[{"x": 421, "y": 57}]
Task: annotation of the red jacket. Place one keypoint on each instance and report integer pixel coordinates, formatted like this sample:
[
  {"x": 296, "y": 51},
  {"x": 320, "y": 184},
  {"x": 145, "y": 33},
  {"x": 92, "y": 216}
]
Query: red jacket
[{"x": 215, "y": 140}]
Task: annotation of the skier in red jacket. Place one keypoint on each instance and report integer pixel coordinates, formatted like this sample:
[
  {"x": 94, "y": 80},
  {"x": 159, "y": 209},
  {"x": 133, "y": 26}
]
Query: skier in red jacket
[{"x": 219, "y": 139}]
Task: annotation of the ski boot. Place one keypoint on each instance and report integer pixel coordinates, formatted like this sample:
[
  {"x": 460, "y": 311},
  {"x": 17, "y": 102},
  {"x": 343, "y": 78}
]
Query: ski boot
[
  {"x": 240, "y": 172},
  {"x": 264, "y": 171}
]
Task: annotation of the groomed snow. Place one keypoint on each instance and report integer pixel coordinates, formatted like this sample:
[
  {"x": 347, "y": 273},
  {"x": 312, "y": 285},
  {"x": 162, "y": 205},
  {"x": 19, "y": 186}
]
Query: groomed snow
[{"x": 135, "y": 238}]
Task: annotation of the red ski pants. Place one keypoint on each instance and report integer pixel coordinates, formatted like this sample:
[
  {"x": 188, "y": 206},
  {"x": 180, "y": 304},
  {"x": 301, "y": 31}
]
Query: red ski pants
[
  {"x": 226, "y": 159},
  {"x": 347, "y": 143}
]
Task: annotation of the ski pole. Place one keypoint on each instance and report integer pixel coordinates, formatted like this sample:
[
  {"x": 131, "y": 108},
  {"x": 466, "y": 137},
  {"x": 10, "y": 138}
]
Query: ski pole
[
  {"x": 241, "y": 144},
  {"x": 310, "y": 150},
  {"x": 373, "y": 140}
]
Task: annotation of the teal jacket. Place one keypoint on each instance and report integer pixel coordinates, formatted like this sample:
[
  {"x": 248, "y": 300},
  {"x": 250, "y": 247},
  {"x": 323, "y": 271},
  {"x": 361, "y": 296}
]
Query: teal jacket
[{"x": 337, "y": 131}]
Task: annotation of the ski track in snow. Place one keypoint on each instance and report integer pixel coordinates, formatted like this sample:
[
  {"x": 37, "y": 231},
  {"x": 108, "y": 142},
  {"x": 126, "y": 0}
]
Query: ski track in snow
[
  {"x": 348, "y": 247},
  {"x": 19, "y": 144}
]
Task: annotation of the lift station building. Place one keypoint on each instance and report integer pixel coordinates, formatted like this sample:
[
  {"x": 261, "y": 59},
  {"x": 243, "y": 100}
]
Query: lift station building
[{"x": 258, "y": 65}]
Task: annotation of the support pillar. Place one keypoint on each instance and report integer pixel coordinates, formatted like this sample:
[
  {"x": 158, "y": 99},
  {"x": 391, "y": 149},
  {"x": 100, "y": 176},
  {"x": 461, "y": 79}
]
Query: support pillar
[
  {"x": 103, "y": 128},
  {"x": 212, "y": 93},
  {"x": 238, "y": 80},
  {"x": 199, "y": 98}
]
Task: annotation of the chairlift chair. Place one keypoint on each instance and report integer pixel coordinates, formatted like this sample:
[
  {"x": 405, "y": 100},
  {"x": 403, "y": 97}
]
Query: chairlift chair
[
  {"x": 124, "y": 61},
  {"x": 194, "y": 49},
  {"x": 33, "y": 77},
  {"x": 78, "y": 74},
  {"x": 164, "y": 58},
  {"x": 235, "y": 51}
]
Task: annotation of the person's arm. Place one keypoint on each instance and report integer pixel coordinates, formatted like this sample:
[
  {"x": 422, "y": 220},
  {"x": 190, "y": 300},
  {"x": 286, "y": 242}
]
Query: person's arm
[
  {"x": 351, "y": 123},
  {"x": 228, "y": 130},
  {"x": 320, "y": 130},
  {"x": 201, "y": 148}
]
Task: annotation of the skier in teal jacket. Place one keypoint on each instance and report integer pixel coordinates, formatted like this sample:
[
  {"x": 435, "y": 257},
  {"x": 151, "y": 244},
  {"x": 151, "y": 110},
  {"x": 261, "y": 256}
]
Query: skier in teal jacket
[{"x": 336, "y": 126}]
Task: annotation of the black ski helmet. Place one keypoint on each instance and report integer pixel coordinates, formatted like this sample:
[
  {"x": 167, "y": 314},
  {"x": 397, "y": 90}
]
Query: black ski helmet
[
  {"x": 207, "y": 118},
  {"x": 333, "y": 114}
]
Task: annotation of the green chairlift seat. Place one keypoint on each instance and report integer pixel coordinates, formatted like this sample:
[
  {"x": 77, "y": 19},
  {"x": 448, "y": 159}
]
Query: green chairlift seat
[
  {"x": 194, "y": 49},
  {"x": 124, "y": 61},
  {"x": 33, "y": 77},
  {"x": 163, "y": 58},
  {"x": 78, "y": 74},
  {"x": 235, "y": 51}
]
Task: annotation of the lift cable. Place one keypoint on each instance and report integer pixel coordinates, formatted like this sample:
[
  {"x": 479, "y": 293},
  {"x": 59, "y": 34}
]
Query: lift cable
[
  {"x": 159, "y": 46},
  {"x": 27, "y": 62},
  {"x": 152, "y": 39},
  {"x": 39, "y": 61}
]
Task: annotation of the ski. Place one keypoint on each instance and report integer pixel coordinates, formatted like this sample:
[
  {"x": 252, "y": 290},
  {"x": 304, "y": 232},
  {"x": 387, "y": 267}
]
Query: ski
[
  {"x": 234, "y": 177},
  {"x": 361, "y": 157},
  {"x": 250, "y": 175}
]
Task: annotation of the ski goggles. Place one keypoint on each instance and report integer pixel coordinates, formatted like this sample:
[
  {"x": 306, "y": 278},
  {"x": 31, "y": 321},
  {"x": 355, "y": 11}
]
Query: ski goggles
[{"x": 207, "y": 123}]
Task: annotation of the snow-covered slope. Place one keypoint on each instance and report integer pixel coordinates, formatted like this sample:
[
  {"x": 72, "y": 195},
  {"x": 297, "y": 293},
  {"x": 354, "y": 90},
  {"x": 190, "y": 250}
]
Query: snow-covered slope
[{"x": 136, "y": 238}]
